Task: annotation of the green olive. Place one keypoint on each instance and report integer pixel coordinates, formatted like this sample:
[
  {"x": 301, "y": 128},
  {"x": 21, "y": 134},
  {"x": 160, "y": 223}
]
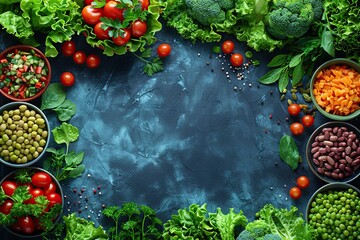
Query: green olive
[
  {"x": 35, "y": 154},
  {"x": 16, "y": 117},
  {"x": 20, "y": 139},
  {"x": 32, "y": 113},
  {"x": 2, "y": 127},
  {"x": 44, "y": 134},
  {"x": 5, "y": 116},
  {"x": 35, "y": 127},
  {"x": 27, "y": 113},
  {"x": 22, "y": 108},
  {"x": 42, "y": 142},
  {"x": 32, "y": 149},
  {"x": 4, "y": 153},
  {"x": 13, "y": 158},
  {"x": 5, "y": 137},
  {"x": 40, "y": 121}
]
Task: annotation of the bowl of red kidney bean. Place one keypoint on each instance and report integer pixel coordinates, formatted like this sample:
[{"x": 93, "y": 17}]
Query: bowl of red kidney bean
[{"x": 333, "y": 152}]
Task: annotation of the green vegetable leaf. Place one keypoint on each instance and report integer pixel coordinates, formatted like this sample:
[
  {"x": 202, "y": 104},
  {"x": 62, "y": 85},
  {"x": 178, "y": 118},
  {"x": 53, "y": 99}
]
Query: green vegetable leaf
[
  {"x": 53, "y": 96},
  {"x": 297, "y": 74},
  {"x": 278, "y": 60},
  {"x": 23, "y": 175},
  {"x": 271, "y": 76},
  {"x": 327, "y": 42},
  {"x": 65, "y": 133},
  {"x": 295, "y": 60},
  {"x": 156, "y": 65},
  {"x": 74, "y": 159},
  {"x": 283, "y": 80},
  {"x": 289, "y": 152},
  {"x": 66, "y": 110},
  {"x": 77, "y": 172}
]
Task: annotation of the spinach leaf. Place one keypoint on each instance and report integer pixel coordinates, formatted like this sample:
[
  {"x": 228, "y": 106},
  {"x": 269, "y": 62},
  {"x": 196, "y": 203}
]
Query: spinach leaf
[
  {"x": 289, "y": 152},
  {"x": 53, "y": 96},
  {"x": 65, "y": 111},
  {"x": 65, "y": 133}
]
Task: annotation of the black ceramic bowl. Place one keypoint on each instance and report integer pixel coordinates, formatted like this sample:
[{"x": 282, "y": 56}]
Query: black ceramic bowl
[
  {"x": 331, "y": 158},
  {"x": 25, "y": 134},
  {"x": 10, "y": 177}
]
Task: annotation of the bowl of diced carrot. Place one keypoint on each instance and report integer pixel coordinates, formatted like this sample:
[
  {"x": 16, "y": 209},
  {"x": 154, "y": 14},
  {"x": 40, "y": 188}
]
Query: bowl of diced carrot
[
  {"x": 25, "y": 73},
  {"x": 335, "y": 89}
]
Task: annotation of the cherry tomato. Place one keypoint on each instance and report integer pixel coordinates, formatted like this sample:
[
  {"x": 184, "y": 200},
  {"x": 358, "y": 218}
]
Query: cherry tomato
[
  {"x": 307, "y": 120},
  {"x": 101, "y": 33},
  {"x": 88, "y": 2},
  {"x": 112, "y": 11},
  {"x": 164, "y": 50},
  {"x": 296, "y": 128},
  {"x": 5, "y": 208},
  {"x": 93, "y": 61},
  {"x": 92, "y": 15},
  {"x": 9, "y": 187},
  {"x": 294, "y": 109},
  {"x": 228, "y": 47},
  {"x": 41, "y": 179},
  {"x": 26, "y": 224},
  {"x": 67, "y": 79},
  {"x": 68, "y": 48},
  {"x": 54, "y": 198},
  {"x": 295, "y": 193},
  {"x": 302, "y": 182},
  {"x": 138, "y": 28},
  {"x": 36, "y": 192},
  {"x": 29, "y": 186},
  {"x": 144, "y": 4},
  {"x": 38, "y": 224},
  {"x": 51, "y": 189},
  {"x": 236, "y": 59},
  {"x": 79, "y": 57},
  {"x": 15, "y": 227},
  {"x": 121, "y": 40}
]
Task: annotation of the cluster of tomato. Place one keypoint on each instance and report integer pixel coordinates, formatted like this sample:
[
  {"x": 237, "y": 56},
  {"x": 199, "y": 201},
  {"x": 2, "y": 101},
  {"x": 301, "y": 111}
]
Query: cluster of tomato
[
  {"x": 41, "y": 185},
  {"x": 307, "y": 120},
  {"x": 302, "y": 182},
  {"x": 236, "y": 59},
  {"x": 92, "y": 15}
]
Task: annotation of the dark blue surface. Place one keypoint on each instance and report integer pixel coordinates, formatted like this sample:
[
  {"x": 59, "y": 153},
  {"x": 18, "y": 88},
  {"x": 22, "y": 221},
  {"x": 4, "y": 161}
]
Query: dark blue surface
[{"x": 186, "y": 135}]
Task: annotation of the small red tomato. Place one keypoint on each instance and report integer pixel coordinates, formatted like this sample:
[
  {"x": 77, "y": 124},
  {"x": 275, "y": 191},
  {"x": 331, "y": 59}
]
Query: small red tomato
[
  {"x": 41, "y": 179},
  {"x": 101, "y": 33},
  {"x": 296, "y": 128},
  {"x": 302, "y": 182},
  {"x": 228, "y": 47},
  {"x": 164, "y": 50},
  {"x": 36, "y": 192},
  {"x": 67, "y": 79},
  {"x": 68, "y": 48},
  {"x": 9, "y": 187},
  {"x": 295, "y": 193},
  {"x": 307, "y": 120},
  {"x": 29, "y": 186},
  {"x": 54, "y": 198},
  {"x": 236, "y": 59},
  {"x": 112, "y": 11},
  {"x": 294, "y": 109},
  {"x": 144, "y": 4},
  {"x": 93, "y": 61},
  {"x": 121, "y": 40},
  {"x": 5, "y": 208},
  {"x": 138, "y": 28},
  {"x": 79, "y": 57},
  {"x": 51, "y": 189},
  {"x": 26, "y": 224},
  {"x": 92, "y": 15}
]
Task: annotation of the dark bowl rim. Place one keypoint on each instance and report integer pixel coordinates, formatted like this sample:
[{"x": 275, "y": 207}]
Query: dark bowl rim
[
  {"x": 9, "y": 49},
  {"x": 328, "y": 186},
  {"x": 22, "y": 165},
  {"x": 309, "y": 158},
  {"x": 326, "y": 64},
  {"x": 59, "y": 190}
]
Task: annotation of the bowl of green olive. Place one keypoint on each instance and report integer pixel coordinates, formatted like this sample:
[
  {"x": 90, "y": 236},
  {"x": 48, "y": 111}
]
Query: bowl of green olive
[
  {"x": 24, "y": 131},
  {"x": 333, "y": 211}
]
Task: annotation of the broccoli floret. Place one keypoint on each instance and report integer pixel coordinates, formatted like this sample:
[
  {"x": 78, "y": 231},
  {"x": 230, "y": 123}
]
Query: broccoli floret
[
  {"x": 317, "y": 6},
  {"x": 290, "y": 18},
  {"x": 272, "y": 237},
  {"x": 207, "y": 12},
  {"x": 246, "y": 235}
]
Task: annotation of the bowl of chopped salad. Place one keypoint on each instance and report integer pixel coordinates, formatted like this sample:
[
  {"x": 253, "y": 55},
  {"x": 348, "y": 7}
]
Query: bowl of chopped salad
[{"x": 25, "y": 73}]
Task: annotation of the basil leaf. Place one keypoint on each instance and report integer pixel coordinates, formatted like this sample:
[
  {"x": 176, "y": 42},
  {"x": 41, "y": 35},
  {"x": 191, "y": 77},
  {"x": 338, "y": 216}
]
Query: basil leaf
[
  {"x": 278, "y": 60},
  {"x": 297, "y": 74},
  {"x": 327, "y": 42},
  {"x": 77, "y": 171},
  {"x": 53, "y": 96},
  {"x": 74, "y": 159},
  {"x": 295, "y": 60},
  {"x": 283, "y": 80},
  {"x": 271, "y": 76},
  {"x": 289, "y": 152}
]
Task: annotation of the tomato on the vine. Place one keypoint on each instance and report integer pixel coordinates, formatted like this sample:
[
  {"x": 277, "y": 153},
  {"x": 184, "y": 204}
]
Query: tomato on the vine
[
  {"x": 101, "y": 33},
  {"x": 307, "y": 120},
  {"x": 92, "y": 15},
  {"x": 296, "y": 128},
  {"x": 54, "y": 198},
  {"x": 5, "y": 208},
  {"x": 112, "y": 11},
  {"x": 67, "y": 79},
  {"x": 41, "y": 179},
  {"x": 236, "y": 59},
  {"x": 227, "y": 47},
  {"x": 144, "y": 4},
  {"x": 79, "y": 57},
  {"x": 294, "y": 109},
  {"x": 68, "y": 48},
  {"x": 26, "y": 224},
  {"x": 9, "y": 187},
  {"x": 302, "y": 182},
  {"x": 138, "y": 28},
  {"x": 295, "y": 193},
  {"x": 121, "y": 40},
  {"x": 93, "y": 61},
  {"x": 164, "y": 50}
]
